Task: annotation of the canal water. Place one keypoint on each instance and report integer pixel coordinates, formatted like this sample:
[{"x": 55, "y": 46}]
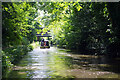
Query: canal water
[{"x": 62, "y": 63}]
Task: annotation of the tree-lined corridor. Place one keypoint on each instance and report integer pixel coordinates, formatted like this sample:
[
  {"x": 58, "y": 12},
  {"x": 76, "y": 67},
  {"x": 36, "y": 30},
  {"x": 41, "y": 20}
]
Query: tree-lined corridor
[{"x": 88, "y": 33}]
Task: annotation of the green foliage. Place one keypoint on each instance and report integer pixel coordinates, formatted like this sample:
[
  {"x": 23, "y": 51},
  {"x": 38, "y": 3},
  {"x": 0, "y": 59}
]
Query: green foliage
[
  {"x": 11, "y": 56},
  {"x": 17, "y": 23},
  {"x": 17, "y": 31},
  {"x": 15, "y": 53},
  {"x": 114, "y": 46},
  {"x": 6, "y": 61},
  {"x": 83, "y": 26},
  {"x": 30, "y": 47}
]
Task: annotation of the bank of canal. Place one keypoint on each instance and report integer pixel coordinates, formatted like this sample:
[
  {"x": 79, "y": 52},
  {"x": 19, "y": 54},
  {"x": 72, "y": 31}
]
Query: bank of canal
[{"x": 61, "y": 63}]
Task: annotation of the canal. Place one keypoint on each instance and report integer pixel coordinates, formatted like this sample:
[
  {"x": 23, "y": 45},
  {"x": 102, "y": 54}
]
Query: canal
[{"x": 62, "y": 63}]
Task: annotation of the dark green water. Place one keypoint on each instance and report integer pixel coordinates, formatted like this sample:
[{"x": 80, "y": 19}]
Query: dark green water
[{"x": 61, "y": 63}]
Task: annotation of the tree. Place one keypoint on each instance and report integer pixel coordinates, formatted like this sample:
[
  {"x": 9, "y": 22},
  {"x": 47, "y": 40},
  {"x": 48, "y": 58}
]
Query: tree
[{"x": 17, "y": 22}]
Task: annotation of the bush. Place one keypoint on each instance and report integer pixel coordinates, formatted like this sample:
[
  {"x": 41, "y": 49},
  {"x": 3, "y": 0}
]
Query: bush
[
  {"x": 30, "y": 47},
  {"x": 12, "y": 55},
  {"x": 6, "y": 63}
]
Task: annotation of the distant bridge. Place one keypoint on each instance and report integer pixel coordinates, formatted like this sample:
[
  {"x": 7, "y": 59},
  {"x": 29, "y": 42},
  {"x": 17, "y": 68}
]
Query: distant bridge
[{"x": 44, "y": 35}]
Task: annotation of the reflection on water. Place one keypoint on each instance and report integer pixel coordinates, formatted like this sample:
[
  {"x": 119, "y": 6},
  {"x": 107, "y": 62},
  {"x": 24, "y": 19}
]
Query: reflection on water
[{"x": 61, "y": 63}]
